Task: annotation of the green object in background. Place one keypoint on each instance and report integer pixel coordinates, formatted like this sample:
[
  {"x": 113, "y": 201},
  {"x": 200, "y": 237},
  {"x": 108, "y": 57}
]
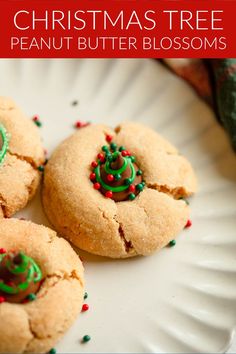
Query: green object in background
[{"x": 224, "y": 72}]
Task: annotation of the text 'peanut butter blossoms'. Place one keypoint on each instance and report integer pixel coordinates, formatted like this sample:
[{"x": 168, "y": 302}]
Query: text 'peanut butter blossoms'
[
  {"x": 20, "y": 277},
  {"x": 116, "y": 174}
]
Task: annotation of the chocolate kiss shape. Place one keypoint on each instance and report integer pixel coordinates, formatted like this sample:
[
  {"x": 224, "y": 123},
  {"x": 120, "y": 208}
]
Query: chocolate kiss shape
[
  {"x": 10, "y": 278},
  {"x": 115, "y": 165}
]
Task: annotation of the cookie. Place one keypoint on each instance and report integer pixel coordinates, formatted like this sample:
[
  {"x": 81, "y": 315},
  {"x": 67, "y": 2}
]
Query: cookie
[
  {"x": 21, "y": 153},
  {"x": 34, "y": 325},
  {"x": 79, "y": 196}
]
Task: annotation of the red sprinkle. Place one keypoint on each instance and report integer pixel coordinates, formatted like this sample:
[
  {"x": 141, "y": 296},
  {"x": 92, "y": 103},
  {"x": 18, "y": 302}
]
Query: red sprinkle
[
  {"x": 94, "y": 164},
  {"x": 24, "y": 301},
  {"x": 80, "y": 124},
  {"x": 110, "y": 178},
  {"x": 189, "y": 223},
  {"x": 2, "y": 299},
  {"x": 35, "y": 118},
  {"x": 108, "y": 194},
  {"x": 97, "y": 185},
  {"x": 101, "y": 157},
  {"x": 85, "y": 307},
  {"x": 132, "y": 188},
  {"x": 10, "y": 283},
  {"x": 109, "y": 138},
  {"x": 3, "y": 250},
  {"x": 124, "y": 153},
  {"x": 92, "y": 176}
]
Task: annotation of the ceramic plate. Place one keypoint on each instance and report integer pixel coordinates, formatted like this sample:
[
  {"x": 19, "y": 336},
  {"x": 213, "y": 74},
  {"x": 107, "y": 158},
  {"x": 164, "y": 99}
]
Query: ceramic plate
[{"x": 182, "y": 299}]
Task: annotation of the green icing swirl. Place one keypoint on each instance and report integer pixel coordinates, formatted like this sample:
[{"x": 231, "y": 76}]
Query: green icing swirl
[
  {"x": 118, "y": 188},
  {"x": 5, "y": 144},
  {"x": 108, "y": 168}
]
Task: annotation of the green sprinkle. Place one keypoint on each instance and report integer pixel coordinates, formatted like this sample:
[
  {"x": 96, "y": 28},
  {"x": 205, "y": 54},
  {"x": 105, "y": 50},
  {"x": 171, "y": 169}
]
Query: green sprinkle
[
  {"x": 115, "y": 155},
  {"x": 38, "y": 123},
  {"x": 105, "y": 148},
  {"x": 31, "y": 297},
  {"x": 41, "y": 168},
  {"x": 128, "y": 181},
  {"x": 117, "y": 176},
  {"x": 86, "y": 338},
  {"x": 52, "y": 351},
  {"x": 131, "y": 196},
  {"x": 113, "y": 146},
  {"x": 121, "y": 148},
  {"x": 132, "y": 158},
  {"x": 139, "y": 173},
  {"x": 143, "y": 183},
  {"x": 110, "y": 157},
  {"x": 172, "y": 243},
  {"x": 139, "y": 187},
  {"x": 185, "y": 200},
  {"x": 85, "y": 295}
]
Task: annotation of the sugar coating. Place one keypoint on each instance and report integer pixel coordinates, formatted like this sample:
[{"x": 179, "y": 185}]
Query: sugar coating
[{"x": 124, "y": 229}]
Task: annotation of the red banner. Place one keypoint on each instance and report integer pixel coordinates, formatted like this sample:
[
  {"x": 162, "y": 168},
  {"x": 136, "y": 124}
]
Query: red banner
[{"x": 161, "y": 29}]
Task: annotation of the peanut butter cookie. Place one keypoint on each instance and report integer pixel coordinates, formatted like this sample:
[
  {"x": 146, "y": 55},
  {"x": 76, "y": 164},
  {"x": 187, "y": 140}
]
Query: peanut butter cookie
[{"x": 117, "y": 193}]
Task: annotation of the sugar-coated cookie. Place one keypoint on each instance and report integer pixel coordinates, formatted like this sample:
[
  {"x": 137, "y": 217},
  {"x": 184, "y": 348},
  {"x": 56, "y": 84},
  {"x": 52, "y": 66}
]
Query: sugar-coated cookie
[
  {"x": 118, "y": 193},
  {"x": 21, "y": 153},
  {"x": 41, "y": 290}
]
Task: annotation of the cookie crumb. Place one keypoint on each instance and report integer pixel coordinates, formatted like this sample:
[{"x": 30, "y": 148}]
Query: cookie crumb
[{"x": 74, "y": 103}]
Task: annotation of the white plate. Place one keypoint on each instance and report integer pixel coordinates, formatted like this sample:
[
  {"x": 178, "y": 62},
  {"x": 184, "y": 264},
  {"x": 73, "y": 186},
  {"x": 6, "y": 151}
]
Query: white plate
[{"x": 182, "y": 299}]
